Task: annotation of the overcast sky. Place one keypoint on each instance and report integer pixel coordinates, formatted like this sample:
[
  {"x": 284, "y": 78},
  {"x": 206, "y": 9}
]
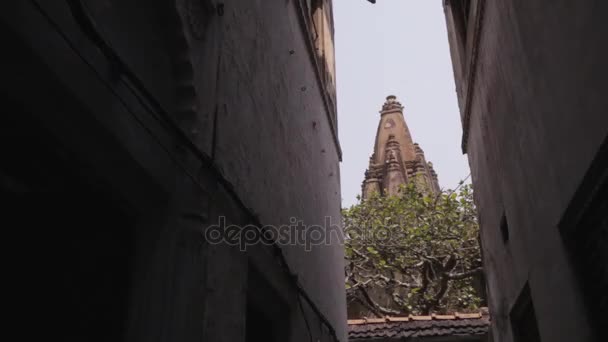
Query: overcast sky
[{"x": 395, "y": 47}]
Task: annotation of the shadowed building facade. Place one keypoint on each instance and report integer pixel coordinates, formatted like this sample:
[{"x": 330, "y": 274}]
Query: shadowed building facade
[
  {"x": 396, "y": 159},
  {"x": 531, "y": 87},
  {"x": 130, "y": 129}
]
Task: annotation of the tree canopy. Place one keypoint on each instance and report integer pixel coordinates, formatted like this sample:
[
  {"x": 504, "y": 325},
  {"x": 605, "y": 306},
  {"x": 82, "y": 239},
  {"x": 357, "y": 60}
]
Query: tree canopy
[{"x": 414, "y": 253}]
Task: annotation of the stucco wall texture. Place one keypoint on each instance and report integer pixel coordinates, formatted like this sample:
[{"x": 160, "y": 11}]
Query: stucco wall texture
[
  {"x": 274, "y": 138},
  {"x": 259, "y": 114},
  {"x": 537, "y": 118}
]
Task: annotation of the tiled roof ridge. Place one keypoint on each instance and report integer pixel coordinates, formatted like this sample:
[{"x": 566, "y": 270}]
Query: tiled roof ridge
[{"x": 433, "y": 317}]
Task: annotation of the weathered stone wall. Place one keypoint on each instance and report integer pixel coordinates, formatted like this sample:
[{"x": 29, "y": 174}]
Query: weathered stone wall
[
  {"x": 274, "y": 137},
  {"x": 243, "y": 85},
  {"x": 537, "y": 119}
]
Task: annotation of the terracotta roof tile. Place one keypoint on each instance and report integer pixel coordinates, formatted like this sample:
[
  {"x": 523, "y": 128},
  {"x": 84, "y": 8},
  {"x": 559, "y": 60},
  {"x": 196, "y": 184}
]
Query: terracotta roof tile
[
  {"x": 467, "y": 315},
  {"x": 474, "y": 324},
  {"x": 398, "y": 319},
  {"x": 444, "y": 316}
]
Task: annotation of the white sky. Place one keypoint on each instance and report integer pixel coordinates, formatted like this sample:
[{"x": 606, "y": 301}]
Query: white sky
[{"x": 395, "y": 47}]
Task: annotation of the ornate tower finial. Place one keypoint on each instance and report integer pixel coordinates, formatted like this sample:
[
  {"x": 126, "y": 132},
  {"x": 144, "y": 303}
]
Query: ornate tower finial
[{"x": 391, "y": 104}]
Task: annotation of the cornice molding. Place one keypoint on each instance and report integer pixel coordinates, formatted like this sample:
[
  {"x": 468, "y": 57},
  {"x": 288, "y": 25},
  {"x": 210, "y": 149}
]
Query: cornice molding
[{"x": 471, "y": 74}]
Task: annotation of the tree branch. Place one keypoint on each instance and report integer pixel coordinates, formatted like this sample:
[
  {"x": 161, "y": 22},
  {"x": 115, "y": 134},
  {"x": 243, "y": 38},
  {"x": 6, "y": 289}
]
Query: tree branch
[
  {"x": 376, "y": 307},
  {"x": 463, "y": 275},
  {"x": 443, "y": 289}
]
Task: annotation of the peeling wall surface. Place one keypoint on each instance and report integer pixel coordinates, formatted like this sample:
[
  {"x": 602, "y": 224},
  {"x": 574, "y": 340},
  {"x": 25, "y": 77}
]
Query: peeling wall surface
[
  {"x": 532, "y": 82},
  {"x": 221, "y": 112}
]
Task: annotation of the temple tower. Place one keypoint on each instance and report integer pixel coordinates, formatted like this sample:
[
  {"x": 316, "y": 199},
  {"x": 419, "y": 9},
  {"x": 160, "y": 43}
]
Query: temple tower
[{"x": 396, "y": 158}]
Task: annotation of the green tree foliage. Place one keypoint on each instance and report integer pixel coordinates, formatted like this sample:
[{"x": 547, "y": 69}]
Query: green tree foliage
[{"x": 420, "y": 250}]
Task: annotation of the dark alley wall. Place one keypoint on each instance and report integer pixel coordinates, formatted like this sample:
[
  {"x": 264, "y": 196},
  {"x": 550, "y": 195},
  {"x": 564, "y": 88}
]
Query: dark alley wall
[
  {"x": 530, "y": 78},
  {"x": 235, "y": 120}
]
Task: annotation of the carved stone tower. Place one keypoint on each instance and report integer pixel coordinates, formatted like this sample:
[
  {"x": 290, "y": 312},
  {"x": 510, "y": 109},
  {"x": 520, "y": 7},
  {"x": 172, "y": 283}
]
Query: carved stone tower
[{"x": 396, "y": 158}]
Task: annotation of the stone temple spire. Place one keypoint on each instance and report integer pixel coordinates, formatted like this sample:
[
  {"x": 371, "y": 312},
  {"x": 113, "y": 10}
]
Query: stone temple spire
[{"x": 396, "y": 158}]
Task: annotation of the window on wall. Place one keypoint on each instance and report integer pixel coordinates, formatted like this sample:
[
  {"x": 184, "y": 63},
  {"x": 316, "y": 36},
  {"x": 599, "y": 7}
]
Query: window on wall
[
  {"x": 523, "y": 318},
  {"x": 584, "y": 230}
]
